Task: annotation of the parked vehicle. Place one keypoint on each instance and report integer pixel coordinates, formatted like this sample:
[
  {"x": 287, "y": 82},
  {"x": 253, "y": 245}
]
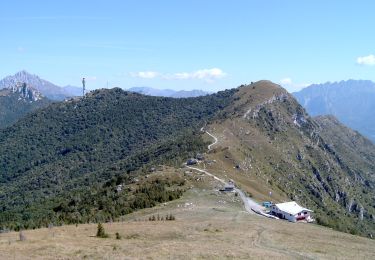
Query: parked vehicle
[{"x": 267, "y": 204}]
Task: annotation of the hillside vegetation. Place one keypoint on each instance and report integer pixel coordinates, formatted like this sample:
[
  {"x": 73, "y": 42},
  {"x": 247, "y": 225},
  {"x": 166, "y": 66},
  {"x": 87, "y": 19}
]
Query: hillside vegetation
[
  {"x": 56, "y": 162},
  {"x": 12, "y": 107},
  {"x": 65, "y": 163},
  {"x": 208, "y": 225},
  {"x": 268, "y": 138}
]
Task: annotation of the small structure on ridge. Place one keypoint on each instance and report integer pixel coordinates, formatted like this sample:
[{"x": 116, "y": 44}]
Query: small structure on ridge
[{"x": 291, "y": 211}]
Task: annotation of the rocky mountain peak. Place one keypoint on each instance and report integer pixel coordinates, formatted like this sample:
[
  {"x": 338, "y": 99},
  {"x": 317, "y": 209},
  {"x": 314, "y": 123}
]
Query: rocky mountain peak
[
  {"x": 22, "y": 77},
  {"x": 25, "y": 92},
  {"x": 24, "y": 73},
  {"x": 251, "y": 98},
  {"x": 45, "y": 87}
]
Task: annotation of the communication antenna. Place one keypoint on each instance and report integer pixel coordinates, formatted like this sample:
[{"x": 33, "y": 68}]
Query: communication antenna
[{"x": 83, "y": 86}]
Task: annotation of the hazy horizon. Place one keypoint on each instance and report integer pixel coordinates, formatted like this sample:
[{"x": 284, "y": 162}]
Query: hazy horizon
[{"x": 188, "y": 45}]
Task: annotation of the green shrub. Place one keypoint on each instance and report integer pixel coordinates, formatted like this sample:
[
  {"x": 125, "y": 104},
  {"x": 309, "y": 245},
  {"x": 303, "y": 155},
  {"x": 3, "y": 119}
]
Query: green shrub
[{"x": 101, "y": 232}]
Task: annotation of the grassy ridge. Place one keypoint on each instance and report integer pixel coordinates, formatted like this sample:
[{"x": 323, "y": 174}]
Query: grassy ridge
[{"x": 319, "y": 163}]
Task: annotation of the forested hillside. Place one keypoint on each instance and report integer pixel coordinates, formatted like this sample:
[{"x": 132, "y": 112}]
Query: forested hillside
[
  {"x": 78, "y": 147},
  {"x": 13, "y": 106}
]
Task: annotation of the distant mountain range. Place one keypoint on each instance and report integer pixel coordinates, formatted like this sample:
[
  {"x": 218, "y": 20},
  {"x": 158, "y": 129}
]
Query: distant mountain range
[
  {"x": 169, "y": 92},
  {"x": 48, "y": 89},
  {"x": 55, "y": 92},
  {"x": 18, "y": 100},
  {"x": 352, "y": 102}
]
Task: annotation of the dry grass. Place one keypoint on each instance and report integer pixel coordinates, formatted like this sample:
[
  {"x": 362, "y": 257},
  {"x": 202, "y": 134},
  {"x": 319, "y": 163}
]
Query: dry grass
[
  {"x": 251, "y": 180},
  {"x": 209, "y": 225}
]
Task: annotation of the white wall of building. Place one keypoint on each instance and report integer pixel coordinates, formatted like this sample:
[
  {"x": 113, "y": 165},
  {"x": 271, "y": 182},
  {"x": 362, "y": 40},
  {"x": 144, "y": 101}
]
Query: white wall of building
[{"x": 293, "y": 218}]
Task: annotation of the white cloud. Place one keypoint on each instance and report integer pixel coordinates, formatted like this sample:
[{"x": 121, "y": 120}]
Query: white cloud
[
  {"x": 286, "y": 81},
  {"x": 291, "y": 86},
  {"x": 366, "y": 60},
  {"x": 145, "y": 74},
  {"x": 208, "y": 75}
]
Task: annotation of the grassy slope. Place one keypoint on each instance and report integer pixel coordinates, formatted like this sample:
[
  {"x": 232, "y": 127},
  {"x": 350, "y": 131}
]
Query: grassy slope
[
  {"x": 350, "y": 144},
  {"x": 208, "y": 224},
  {"x": 294, "y": 162}
]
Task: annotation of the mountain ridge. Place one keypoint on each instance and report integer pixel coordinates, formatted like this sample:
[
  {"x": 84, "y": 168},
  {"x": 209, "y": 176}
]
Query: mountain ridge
[
  {"x": 350, "y": 101},
  {"x": 168, "y": 92},
  {"x": 269, "y": 137},
  {"x": 47, "y": 88},
  {"x": 81, "y": 149}
]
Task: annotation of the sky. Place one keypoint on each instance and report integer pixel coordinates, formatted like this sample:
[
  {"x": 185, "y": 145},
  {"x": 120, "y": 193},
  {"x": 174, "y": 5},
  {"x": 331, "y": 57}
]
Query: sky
[{"x": 188, "y": 44}]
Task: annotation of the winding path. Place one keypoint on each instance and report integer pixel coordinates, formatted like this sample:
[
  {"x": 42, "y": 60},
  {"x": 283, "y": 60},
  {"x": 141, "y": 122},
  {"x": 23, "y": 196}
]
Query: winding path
[
  {"x": 250, "y": 205},
  {"x": 214, "y": 137}
]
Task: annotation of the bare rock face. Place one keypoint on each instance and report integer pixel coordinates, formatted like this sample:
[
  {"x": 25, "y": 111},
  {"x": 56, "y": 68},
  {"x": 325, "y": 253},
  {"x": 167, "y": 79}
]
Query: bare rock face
[
  {"x": 349, "y": 206},
  {"x": 255, "y": 111},
  {"x": 48, "y": 89},
  {"x": 337, "y": 197},
  {"x": 299, "y": 120},
  {"x": 26, "y": 92},
  {"x": 361, "y": 211},
  {"x": 18, "y": 100}
]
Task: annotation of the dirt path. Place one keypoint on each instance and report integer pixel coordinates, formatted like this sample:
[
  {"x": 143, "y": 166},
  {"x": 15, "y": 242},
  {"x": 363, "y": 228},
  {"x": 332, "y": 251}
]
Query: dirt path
[
  {"x": 251, "y": 206},
  {"x": 207, "y": 173},
  {"x": 215, "y": 142}
]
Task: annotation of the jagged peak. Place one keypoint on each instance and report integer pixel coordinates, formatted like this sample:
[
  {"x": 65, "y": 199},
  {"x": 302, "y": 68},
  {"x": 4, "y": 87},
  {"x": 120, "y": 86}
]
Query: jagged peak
[
  {"x": 23, "y": 75},
  {"x": 26, "y": 92},
  {"x": 343, "y": 84},
  {"x": 23, "y": 72}
]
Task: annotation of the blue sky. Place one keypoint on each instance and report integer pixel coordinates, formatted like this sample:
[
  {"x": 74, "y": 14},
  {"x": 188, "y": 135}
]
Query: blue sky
[{"x": 188, "y": 44}]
